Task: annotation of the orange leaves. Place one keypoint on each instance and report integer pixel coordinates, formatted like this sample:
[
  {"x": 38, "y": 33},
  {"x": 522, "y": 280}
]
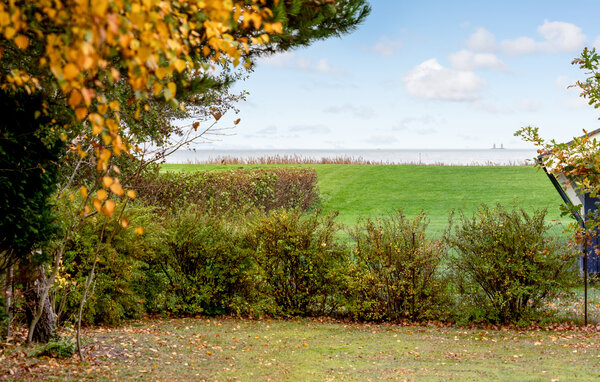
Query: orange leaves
[
  {"x": 70, "y": 71},
  {"x": 81, "y": 113},
  {"x": 75, "y": 99},
  {"x": 89, "y": 47},
  {"x": 22, "y": 42}
]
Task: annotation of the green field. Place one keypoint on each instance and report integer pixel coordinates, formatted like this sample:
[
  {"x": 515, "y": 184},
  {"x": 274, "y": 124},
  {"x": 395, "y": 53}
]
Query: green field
[{"x": 373, "y": 190}]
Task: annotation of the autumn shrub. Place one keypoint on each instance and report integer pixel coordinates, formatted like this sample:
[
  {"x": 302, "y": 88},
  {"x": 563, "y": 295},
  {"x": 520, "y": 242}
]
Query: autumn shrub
[
  {"x": 396, "y": 272},
  {"x": 206, "y": 268},
  {"x": 119, "y": 285},
  {"x": 507, "y": 265},
  {"x": 300, "y": 261},
  {"x": 234, "y": 190}
]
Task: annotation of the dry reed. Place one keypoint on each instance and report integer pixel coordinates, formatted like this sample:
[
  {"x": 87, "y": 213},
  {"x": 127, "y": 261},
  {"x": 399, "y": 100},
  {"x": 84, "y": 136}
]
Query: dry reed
[{"x": 297, "y": 159}]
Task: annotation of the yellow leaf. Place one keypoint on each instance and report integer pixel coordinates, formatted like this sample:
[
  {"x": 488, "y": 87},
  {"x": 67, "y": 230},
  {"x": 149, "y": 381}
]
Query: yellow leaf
[
  {"x": 107, "y": 181},
  {"x": 237, "y": 121},
  {"x": 156, "y": 88},
  {"x": 96, "y": 129},
  {"x": 179, "y": 65},
  {"x": 109, "y": 207},
  {"x": 114, "y": 105},
  {"x": 22, "y": 42},
  {"x": 97, "y": 204},
  {"x": 70, "y": 71},
  {"x": 9, "y": 32},
  {"x": 81, "y": 113},
  {"x": 172, "y": 89},
  {"x": 99, "y": 7},
  {"x": 161, "y": 72},
  {"x": 84, "y": 191},
  {"x": 139, "y": 230},
  {"x": 117, "y": 189},
  {"x": 75, "y": 98},
  {"x": 131, "y": 194},
  {"x": 101, "y": 195}
]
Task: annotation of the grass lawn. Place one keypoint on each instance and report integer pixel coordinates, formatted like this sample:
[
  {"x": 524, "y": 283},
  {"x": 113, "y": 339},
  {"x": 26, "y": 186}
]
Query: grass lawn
[
  {"x": 373, "y": 190},
  {"x": 305, "y": 350}
]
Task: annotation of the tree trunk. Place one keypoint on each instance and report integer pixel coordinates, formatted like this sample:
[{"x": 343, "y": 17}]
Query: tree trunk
[
  {"x": 7, "y": 290},
  {"x": 43, "y": 330}
]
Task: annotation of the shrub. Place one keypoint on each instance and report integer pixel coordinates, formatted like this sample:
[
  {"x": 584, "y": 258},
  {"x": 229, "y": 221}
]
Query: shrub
[
  {"x": 207, "y": 269},
  {"x": 300, "y": 261},
  {"x": 506, "y": 264},
  {"x": 234, "y": 190},
  {"x": 117, "y": 292},
  {"x": 396, "y": 273}
]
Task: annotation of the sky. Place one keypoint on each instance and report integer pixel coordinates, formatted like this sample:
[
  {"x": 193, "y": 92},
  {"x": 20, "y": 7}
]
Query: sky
[{"x": 426, "y": 75}]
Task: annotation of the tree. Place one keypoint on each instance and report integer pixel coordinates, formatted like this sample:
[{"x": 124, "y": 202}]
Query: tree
[
  {"x": 578, "y": 160},
  {"x": 117, "y": 72}
]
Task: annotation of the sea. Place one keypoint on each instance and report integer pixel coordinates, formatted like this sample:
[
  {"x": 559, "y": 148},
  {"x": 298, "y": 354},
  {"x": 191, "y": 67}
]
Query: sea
[{"x": 471, "y": 157}]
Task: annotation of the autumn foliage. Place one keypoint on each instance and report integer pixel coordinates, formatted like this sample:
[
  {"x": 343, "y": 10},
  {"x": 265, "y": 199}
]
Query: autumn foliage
[{"x": 81, "y": 50}]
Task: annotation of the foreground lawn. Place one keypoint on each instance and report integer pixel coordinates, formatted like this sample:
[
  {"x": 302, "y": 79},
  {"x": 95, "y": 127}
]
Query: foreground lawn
[
  {"x": 373, "y": 190},
  {"x": 307, "y": 350}
]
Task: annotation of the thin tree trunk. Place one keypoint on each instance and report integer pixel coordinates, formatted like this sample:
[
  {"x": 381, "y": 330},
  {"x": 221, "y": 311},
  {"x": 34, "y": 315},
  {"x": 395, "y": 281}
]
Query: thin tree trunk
[
  {"x": 39, "y": 312},
  {"x": 81, "y": 304},
  {"x": 7, "y": 290}
]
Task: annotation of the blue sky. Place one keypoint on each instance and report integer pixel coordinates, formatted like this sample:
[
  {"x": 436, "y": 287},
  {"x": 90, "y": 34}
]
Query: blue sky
[{"x": 426, "y": 75}]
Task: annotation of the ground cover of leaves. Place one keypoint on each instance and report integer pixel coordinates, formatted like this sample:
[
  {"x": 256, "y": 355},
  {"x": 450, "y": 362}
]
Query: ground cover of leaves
[{"x": 227, "y": 349}]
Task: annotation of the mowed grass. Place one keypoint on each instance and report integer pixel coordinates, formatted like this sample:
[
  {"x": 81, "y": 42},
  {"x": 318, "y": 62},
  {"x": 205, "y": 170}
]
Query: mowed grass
[
  {"x": 305, "y": 350},
  {"x": 359, "y": 191}
]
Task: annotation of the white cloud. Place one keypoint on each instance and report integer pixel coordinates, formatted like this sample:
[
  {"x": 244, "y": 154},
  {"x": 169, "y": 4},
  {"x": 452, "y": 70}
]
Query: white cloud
[
  {"x": 290, "y": 60},
  {"x": 558, "y": 37},
  {"x": 431, "y": 80},
  {"x": 519, "y": 46},
  {"x": 561, "y": 36},
  {"x": 385, "y": 47},
  {"x": 482, "y": 41},
  {"x": 467, "y": 60},
  {"x": 359, "y": 111},
  {"x": 596, "y": 43}
]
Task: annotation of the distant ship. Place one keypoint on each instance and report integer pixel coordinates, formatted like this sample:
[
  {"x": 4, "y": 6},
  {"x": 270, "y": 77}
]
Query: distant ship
[{"x": 498, "y": 148}]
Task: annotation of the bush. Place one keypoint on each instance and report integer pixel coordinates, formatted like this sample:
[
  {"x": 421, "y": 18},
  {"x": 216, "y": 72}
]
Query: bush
[
  {"x": 206, "y": 268},
  {"x": 235, "y": 190},
  {"x": 300, "y": 261},
  {"x": 506, "y": 265},
  {"x": 396, "y": 274},
  {"x": 118, "y": 289}
]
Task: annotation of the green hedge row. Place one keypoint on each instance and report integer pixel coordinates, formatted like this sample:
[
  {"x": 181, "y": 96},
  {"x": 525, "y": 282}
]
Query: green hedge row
[
  {"x": 223, "y": 191},
  {"x": 495, "y": 266}
]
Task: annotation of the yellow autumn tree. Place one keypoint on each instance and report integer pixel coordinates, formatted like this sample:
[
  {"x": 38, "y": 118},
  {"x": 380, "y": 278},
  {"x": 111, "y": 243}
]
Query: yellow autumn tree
[
  {"x": 80, "y": 48},
  {"x": 98, "y": 66}
]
